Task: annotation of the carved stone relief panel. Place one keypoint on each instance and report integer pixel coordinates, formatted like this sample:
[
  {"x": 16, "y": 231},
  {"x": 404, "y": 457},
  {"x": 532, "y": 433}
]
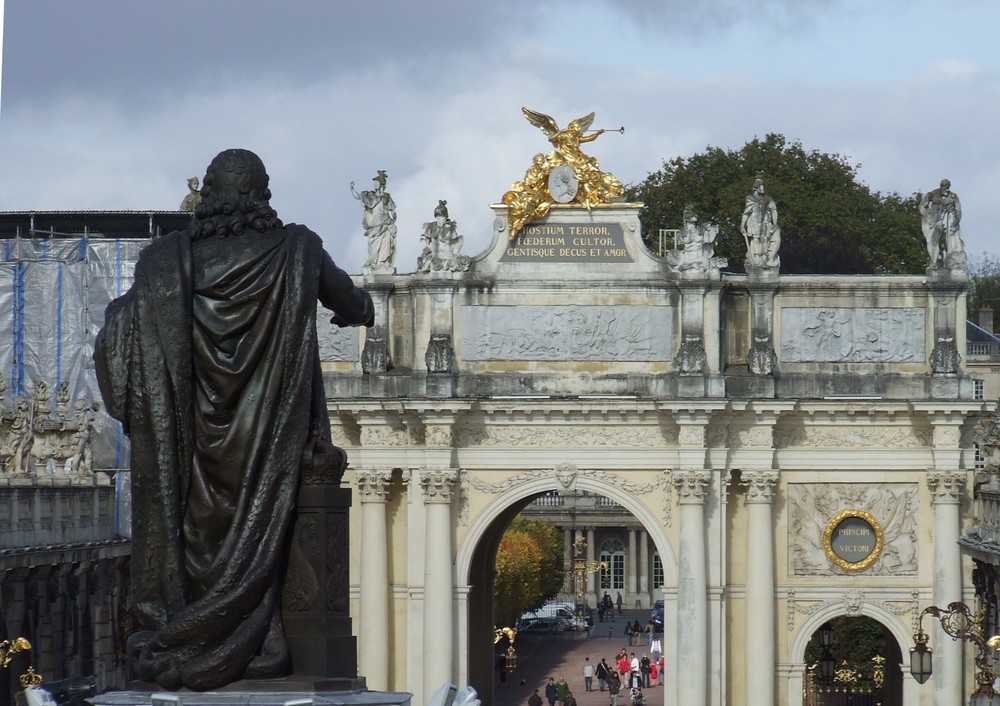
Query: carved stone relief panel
[
  {"x": 856, "y": 436},
  {"x": 813, "y": 505},
  {"x": 870, "y": 335},
  {"x": 618, "y": 333},
  {"x": 581, "y": 436},
  {"x": 335, "y": 344}
]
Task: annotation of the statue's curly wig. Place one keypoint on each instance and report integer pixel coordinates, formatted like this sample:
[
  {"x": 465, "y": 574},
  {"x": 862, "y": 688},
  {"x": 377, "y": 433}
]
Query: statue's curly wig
[{"x": 234, "y": 198}]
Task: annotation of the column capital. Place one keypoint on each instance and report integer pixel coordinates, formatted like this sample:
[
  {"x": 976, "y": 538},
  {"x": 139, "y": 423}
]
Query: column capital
[
  {"x": 373, "y": 484},
  {"x": 438, "y": 484},
  {"x": 692, "y": 486},
  {"x": 760, "y": 485},
  {"x": 946, "y": 486}
]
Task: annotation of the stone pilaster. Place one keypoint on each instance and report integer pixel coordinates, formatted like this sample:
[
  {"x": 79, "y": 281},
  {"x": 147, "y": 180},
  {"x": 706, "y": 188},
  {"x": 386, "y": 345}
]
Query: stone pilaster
[
  {"x": 760, "y": 627},
  {"x": 439, "y": 616},
  {"x": 946, "y": 489},
  {"x": 373, "y": 492},
  {"x": 692, "y": 589}
]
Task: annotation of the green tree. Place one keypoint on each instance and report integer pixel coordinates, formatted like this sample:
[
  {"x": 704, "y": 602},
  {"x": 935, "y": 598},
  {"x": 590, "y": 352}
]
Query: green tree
[
  {"x": 830, "y": 222},
  {"x": 984, "y": 286},
  {"x": 529, "y": 568}
]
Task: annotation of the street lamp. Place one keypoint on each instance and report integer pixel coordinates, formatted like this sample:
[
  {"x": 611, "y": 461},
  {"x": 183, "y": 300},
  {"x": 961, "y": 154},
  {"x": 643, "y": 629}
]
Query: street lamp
[
  {"x": 581, "y": 569},
  {"x": 827, "y": 665},
  {"x": 826, "y": 636},
  {"x": 958, "y": 622},
  {"x": 511, "y": 635},
  {"x": 921, "y": 658}
]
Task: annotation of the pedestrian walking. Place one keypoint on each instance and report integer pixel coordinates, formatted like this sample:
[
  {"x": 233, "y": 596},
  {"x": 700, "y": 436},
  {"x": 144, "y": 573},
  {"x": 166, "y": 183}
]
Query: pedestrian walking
[
  {"x": 601, "y": 672},
  {"x": 614, "y": 686},
  {"x": 619, "y": 602},
  {"x": 656, "y": 648},
  {"x": 562, "y": 690},
  {"x": 535, "y": 699},
  {"x": 588, "y": 674},
  {"x": 550, "y": 692}
]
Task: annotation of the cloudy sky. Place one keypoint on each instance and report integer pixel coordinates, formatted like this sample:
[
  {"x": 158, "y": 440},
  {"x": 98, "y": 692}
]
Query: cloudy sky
[{"x": 113, "y": 104}]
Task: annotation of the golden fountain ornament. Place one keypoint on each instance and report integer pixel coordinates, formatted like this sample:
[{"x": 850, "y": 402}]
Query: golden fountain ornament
[{"x": 563, "y": 176}]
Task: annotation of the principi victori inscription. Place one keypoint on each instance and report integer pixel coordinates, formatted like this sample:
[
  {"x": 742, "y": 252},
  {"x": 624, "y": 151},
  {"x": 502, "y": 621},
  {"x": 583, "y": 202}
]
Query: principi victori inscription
[{"x": 568, "y": 242}]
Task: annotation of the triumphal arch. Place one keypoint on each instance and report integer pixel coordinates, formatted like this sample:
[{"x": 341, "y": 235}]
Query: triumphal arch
[{"x": 795, "y": 447}]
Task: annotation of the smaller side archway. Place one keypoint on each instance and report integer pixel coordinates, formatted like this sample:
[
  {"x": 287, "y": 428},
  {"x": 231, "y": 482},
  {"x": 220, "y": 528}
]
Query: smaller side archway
[{"x": 794, "y": 670}]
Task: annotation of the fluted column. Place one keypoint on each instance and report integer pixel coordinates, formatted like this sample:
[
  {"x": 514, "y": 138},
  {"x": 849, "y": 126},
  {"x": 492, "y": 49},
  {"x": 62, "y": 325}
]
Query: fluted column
[
  {"x": 760, "y": 637},
  {"x": 373, "y": 623},
  {"x": 946, "y": 495},
  {"x": 692, "y": 589},
  {"x": 633, "y": 569},
  {"x": 439, "y": 619}
]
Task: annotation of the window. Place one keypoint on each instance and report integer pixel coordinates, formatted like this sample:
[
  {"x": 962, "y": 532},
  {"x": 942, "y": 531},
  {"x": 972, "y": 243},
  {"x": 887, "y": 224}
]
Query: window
[
  {"x": 657, "y": 571},
  {"x": 613, "y": 555},
  {"x": 980, "y": 462},
  {"x": 979, "y": 389}
]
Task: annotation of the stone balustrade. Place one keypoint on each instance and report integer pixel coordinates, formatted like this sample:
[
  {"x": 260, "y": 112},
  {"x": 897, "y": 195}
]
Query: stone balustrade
[{"x": 56, "y": 515}]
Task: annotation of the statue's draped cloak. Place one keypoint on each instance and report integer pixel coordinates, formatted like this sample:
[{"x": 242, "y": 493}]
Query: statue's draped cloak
[{"x": 210, "y": 362}]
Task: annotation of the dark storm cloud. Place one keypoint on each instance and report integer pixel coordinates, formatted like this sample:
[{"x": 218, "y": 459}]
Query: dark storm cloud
[{"x": 142, "y": 48}]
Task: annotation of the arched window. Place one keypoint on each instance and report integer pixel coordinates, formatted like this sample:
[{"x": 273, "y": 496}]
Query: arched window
[
  {"x": 613, "y": 557},
  {"x": 657, "y": 571}
]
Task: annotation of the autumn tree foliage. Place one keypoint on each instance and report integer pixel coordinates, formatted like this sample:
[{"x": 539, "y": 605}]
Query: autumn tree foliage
[
  {"x": 831, "y": 223},
  {"x": 529, "y": 568}
]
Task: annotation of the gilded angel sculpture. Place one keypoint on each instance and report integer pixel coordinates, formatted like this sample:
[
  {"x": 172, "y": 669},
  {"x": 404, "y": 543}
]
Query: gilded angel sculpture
[{"x": 565, "y": 175}]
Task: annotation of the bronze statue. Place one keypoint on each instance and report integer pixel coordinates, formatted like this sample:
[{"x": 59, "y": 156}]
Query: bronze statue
[{"x": 210, "y": 363}]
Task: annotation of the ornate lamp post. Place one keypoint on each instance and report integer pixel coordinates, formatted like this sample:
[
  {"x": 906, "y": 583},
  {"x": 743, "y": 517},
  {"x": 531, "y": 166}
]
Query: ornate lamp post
[
  {"x": 581, "y": 569},
  {"x": 959, "y": 622},
  {"x": 511, "y": 634}
]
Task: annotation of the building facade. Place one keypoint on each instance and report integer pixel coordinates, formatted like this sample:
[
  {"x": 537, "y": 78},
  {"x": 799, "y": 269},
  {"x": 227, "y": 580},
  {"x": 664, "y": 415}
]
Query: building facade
[{"x": 787, "y": 449}]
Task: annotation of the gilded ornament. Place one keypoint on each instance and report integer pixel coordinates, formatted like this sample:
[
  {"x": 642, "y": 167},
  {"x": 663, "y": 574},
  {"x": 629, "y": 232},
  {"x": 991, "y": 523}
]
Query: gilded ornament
[
  {"x": 565, "y": 175},
  {"x": 874, "y": 551}
]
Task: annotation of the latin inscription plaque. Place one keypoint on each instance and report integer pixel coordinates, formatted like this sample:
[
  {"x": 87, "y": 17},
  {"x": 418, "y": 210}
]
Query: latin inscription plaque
[
  {"x": 568, "y": 242},
  {"x": 853, "y": 540}
]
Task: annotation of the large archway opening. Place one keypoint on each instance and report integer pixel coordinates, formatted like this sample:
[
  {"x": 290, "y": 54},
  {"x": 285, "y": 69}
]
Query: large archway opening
[{"x": 620, "y": 531}]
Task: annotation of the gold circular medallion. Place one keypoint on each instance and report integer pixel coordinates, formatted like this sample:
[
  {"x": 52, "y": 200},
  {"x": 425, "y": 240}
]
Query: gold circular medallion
[{"x": 853, "y": 540}]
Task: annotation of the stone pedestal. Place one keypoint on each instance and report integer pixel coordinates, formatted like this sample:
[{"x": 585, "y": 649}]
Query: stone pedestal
[{"x": 315, "y": 607}]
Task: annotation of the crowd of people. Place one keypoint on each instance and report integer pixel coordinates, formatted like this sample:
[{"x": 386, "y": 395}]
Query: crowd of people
[{"x": 624, "y": 678}]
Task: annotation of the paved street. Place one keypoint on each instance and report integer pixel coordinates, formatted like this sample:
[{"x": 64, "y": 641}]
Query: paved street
[{"x": 537, "y": 661}]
